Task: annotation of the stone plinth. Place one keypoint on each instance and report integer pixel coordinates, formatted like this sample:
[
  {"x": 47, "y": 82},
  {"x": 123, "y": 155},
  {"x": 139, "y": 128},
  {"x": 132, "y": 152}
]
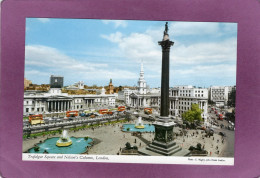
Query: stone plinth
[{"x": 163, "y": 144}]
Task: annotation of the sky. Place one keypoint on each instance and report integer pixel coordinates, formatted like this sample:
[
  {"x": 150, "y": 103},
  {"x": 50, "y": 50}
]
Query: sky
[{"x": 94, "y": 51}]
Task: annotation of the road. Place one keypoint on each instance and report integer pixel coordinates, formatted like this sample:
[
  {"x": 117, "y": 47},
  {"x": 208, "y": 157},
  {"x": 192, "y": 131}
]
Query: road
[
  {"x": 228, "y": 150},
  {"x": 57, "y": 123}
]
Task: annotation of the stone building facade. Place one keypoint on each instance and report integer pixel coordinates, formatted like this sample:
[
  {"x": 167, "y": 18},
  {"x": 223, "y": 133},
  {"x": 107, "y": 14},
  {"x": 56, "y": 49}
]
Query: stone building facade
[
  {"x": 182, "y": 97},
  {"x": 55, "y": 101},
  {"x": 218, "y": 95}
]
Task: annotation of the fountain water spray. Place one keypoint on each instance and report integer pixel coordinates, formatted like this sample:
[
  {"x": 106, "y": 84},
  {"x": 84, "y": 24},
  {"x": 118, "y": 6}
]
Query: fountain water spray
[
  {"x": 139, "y": 124},
  {"x": 64, "y": 139}
]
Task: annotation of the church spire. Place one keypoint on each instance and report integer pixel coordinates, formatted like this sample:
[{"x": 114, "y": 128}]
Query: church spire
[{"x": 141, "y": 81}]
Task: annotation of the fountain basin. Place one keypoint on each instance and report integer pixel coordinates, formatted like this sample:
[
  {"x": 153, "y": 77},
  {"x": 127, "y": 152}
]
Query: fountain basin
[
  {"x": 61, "y": 143},
  {"x": 79, "y": 146},
  {"x": 139, "y": 126},
  {"x": 132, "y": 128}
]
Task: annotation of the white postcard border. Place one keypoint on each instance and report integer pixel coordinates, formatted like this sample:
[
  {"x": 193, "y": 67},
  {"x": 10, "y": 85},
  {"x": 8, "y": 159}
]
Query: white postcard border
[{"x": 129, "y": 159}]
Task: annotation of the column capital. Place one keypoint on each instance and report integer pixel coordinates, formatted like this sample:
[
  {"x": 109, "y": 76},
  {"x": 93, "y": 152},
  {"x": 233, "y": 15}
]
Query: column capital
[{"x": 166, "y": 44}]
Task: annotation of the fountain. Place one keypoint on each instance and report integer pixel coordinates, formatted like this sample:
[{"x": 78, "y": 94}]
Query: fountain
[
  {"x": 64, "y": 140},
  {"x": 139, "y": 124}
]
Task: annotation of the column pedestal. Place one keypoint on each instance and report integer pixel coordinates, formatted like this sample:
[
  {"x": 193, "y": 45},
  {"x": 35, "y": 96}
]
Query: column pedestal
[{"x": 163, "y": 144}]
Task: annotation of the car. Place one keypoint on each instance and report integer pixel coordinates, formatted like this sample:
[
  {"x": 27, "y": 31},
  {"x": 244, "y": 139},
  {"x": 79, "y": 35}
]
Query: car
[
  {"x": 200, "y": 128},
  {"x": 222, "y": 134}
]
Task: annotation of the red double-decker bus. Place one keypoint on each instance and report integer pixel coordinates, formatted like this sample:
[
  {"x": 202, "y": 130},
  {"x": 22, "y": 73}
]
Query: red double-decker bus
[
  {"x": 36, "y": 119},
  {"x": 72, "y": 113},
  {"x": 148, "y": 110},
  {"x": 121, "y": 108},
  {"x": 103, "y": 111}
]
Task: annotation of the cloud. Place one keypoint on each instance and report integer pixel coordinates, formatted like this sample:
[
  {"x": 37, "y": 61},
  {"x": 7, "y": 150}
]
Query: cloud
[
  {"x": 116, "y": 23},
  {"x": 206, "y": 52},
  {"x": 144, "y": 46},
  {"x": 113, "y": 37},
  {"x": 137, "y": 47},
  {"x": 206, "y": 71},
  {"x": 210, "y": 58},
  {"x": 43, "y": 20},
  {"x": 194, "y": 28},
  {"x": 44, "y": 56},
  {"x": 36, "y": 72},
  {"x": 49, "y": 61}
]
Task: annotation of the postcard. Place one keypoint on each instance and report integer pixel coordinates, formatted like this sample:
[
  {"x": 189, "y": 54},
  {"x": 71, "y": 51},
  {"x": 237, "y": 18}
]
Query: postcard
[
  {"x": 129, "y": 89},
  {"x": 106, "y": 90}
]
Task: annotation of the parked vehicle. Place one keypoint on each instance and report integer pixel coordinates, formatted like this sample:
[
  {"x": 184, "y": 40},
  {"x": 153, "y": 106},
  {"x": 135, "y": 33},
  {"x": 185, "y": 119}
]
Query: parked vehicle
[
  {"x": 148, "y": 111},
  {"x": 72, "y": 113},
  {"x": 222, "y": 134},
  {"x": 36, "y": 119}
]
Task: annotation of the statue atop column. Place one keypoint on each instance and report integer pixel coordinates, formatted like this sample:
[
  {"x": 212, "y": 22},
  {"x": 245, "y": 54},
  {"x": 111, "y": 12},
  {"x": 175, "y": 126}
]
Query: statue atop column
[
  {"x": 165, "y": 33},
  {"x": 166, "y": 28}
]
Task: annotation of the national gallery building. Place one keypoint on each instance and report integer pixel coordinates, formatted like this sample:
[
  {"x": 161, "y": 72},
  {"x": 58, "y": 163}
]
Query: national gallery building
[{"x": 36, "y": 102}]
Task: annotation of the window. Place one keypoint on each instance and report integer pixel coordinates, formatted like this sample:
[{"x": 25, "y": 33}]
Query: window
[
  {"x": 27, "y": 109},
  {"x": 38, "y": 109}
]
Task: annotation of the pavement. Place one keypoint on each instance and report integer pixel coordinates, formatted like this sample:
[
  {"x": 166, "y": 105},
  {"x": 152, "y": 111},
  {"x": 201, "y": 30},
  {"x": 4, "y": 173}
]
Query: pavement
[{"x": 109, "y": 139}]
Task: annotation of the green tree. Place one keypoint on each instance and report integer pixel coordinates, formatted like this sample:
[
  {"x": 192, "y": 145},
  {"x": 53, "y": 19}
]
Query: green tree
[{"x": 193, "y": 115}]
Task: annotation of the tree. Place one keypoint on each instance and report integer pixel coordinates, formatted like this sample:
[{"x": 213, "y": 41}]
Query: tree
[{"x": 193, "y": 115}]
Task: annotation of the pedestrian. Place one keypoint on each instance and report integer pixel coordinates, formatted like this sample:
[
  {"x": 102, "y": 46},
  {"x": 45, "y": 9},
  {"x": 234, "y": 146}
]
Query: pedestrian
[
  {"x": 140, "y": 144},
  {"x": 135, "y": 140}
]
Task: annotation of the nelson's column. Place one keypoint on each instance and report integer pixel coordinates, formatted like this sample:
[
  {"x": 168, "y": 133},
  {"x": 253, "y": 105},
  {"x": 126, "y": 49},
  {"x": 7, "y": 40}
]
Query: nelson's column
[{"x": 163, "y": 144}]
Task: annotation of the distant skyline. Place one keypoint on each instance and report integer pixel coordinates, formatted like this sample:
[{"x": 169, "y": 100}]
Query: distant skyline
[{"x": 95, "y": 51}]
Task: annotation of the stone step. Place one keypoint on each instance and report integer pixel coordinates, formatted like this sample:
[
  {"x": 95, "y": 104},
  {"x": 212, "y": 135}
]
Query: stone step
[{"x": 166, "y": 152}]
